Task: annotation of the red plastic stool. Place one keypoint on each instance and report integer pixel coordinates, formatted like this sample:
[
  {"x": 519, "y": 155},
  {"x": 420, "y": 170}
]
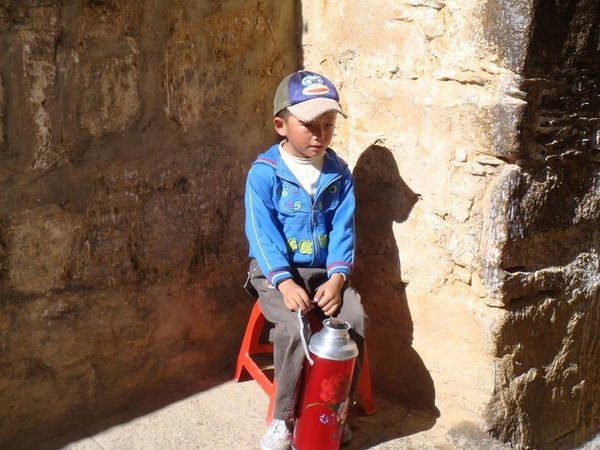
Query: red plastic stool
[{"x": 251, "y": 345}]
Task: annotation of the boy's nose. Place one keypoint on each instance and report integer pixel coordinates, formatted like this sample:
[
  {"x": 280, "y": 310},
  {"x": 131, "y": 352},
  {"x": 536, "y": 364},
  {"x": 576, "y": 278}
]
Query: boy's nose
[{"x": 319, "y": 131}]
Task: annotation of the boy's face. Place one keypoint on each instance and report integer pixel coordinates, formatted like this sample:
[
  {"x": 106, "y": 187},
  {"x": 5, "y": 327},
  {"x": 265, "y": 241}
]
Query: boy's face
[{"x": 306, "y": 139}]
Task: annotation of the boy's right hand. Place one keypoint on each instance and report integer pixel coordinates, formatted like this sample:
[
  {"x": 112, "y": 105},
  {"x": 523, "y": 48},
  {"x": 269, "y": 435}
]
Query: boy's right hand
[{"x": 294, "y": 296}]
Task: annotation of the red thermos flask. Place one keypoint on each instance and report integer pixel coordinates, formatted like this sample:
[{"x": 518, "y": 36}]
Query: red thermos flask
[{"x": 323, "y": 404}]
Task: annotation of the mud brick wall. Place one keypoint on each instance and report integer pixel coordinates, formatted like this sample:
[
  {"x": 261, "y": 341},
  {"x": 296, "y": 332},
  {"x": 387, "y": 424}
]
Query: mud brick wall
[
  {"x": 473, "y": 133},
  {"x": 126, "y": 128}
]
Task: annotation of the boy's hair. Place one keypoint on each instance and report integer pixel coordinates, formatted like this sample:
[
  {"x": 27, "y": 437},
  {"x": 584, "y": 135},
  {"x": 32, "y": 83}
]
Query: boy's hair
[
  {"x": 306, "y": 95},
  {"x": 283, "y": 114}
]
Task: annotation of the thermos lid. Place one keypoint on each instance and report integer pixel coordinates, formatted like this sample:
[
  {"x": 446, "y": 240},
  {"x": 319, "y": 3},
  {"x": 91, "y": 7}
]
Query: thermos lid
[{"x": 333, "y": 341}]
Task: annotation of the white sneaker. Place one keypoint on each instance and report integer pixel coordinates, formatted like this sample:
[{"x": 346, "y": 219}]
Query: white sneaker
[{"x": 277, "y": 437}]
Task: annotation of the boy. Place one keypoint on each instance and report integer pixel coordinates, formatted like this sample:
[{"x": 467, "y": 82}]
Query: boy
[{"x": 300, "y": 228}]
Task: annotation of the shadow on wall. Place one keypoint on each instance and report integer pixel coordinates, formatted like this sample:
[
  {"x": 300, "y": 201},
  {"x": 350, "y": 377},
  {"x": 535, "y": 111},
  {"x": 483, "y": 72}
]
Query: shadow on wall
[{"x": 382, "y": 198}]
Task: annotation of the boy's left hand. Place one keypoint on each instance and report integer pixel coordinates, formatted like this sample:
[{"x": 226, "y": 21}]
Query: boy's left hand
[{"x": 328, "y": 296}]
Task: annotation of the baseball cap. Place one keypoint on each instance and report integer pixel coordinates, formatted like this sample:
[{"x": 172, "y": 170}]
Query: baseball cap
[{"x": 306, "y": 95}]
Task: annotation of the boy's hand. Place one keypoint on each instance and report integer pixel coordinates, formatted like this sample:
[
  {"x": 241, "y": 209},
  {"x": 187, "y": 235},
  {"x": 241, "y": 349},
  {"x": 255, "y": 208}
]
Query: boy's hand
[
  {"x": 328, "y": 296},
  {"x": 294, "y": 296}
]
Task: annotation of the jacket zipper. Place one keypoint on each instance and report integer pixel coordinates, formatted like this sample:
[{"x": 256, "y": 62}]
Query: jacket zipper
[
  {"x": 313, "y": 212},
  {"x": 315, "y": 238}
]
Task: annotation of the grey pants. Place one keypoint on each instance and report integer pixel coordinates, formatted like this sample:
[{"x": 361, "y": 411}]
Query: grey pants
[{"x": 288, "y": 353}]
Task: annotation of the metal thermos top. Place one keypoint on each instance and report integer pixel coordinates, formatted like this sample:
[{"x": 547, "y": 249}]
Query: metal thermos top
[{"x": 333, "y": 341}]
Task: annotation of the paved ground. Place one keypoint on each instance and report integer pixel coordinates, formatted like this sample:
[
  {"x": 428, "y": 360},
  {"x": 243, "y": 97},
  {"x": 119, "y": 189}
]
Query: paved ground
[{"x": 232, "y": 416}]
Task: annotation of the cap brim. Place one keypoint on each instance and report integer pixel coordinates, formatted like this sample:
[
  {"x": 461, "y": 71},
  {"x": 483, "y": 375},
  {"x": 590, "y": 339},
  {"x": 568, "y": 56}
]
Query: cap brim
[{"x": 311, "y": 109}]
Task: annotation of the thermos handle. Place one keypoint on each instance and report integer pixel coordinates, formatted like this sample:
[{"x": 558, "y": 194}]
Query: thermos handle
[{"x": 303, "y": 337}]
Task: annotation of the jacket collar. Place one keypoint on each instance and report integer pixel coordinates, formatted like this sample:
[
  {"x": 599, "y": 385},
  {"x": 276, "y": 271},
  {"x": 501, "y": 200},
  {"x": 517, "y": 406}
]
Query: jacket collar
[{"x": 332, "y": 166}]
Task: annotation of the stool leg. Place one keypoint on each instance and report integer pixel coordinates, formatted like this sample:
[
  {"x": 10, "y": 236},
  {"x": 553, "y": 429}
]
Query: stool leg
[
  {"x": 251, "y": 344},
  {"x": 364, "y": 388},
  {"x": 244, "y": 352}
]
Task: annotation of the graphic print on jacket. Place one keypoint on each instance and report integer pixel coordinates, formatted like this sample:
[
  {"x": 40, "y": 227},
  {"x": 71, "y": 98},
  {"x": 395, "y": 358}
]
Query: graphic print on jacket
[{"x": 298, "y": 208}]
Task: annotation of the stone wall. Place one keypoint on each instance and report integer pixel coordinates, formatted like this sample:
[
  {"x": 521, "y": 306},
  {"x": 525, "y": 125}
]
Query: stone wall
[
  {"x": 126, "y": 129},
  {"x": 545, "y": 257},
  {"x": 473, "y": 133}
]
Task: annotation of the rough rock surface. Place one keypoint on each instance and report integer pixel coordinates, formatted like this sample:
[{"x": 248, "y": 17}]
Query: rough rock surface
[
  {"x": 546, "y": 263},
  {"x": 487, "y": 114},
  {"x": 125, "y": 132}
]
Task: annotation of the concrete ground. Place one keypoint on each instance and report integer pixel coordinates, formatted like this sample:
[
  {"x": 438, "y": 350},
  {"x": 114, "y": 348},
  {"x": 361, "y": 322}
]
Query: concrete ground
[{"x": 232, "y": 416}]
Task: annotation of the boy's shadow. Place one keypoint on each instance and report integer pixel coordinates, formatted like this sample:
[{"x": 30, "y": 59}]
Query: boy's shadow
[{"x": 382, "y": 198}]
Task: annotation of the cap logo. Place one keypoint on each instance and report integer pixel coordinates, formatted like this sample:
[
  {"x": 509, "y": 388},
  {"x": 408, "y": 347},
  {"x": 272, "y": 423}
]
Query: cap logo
[{"x": 314, "y": 85}]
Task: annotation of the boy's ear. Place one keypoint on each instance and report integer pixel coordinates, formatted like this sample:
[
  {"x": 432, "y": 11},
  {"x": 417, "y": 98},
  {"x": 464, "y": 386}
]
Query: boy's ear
[{"x": 280, "y": 126}]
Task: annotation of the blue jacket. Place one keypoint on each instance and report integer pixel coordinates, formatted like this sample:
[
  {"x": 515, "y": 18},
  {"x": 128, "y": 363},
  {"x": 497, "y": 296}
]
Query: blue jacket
[{"x": 286, "y": 228}]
